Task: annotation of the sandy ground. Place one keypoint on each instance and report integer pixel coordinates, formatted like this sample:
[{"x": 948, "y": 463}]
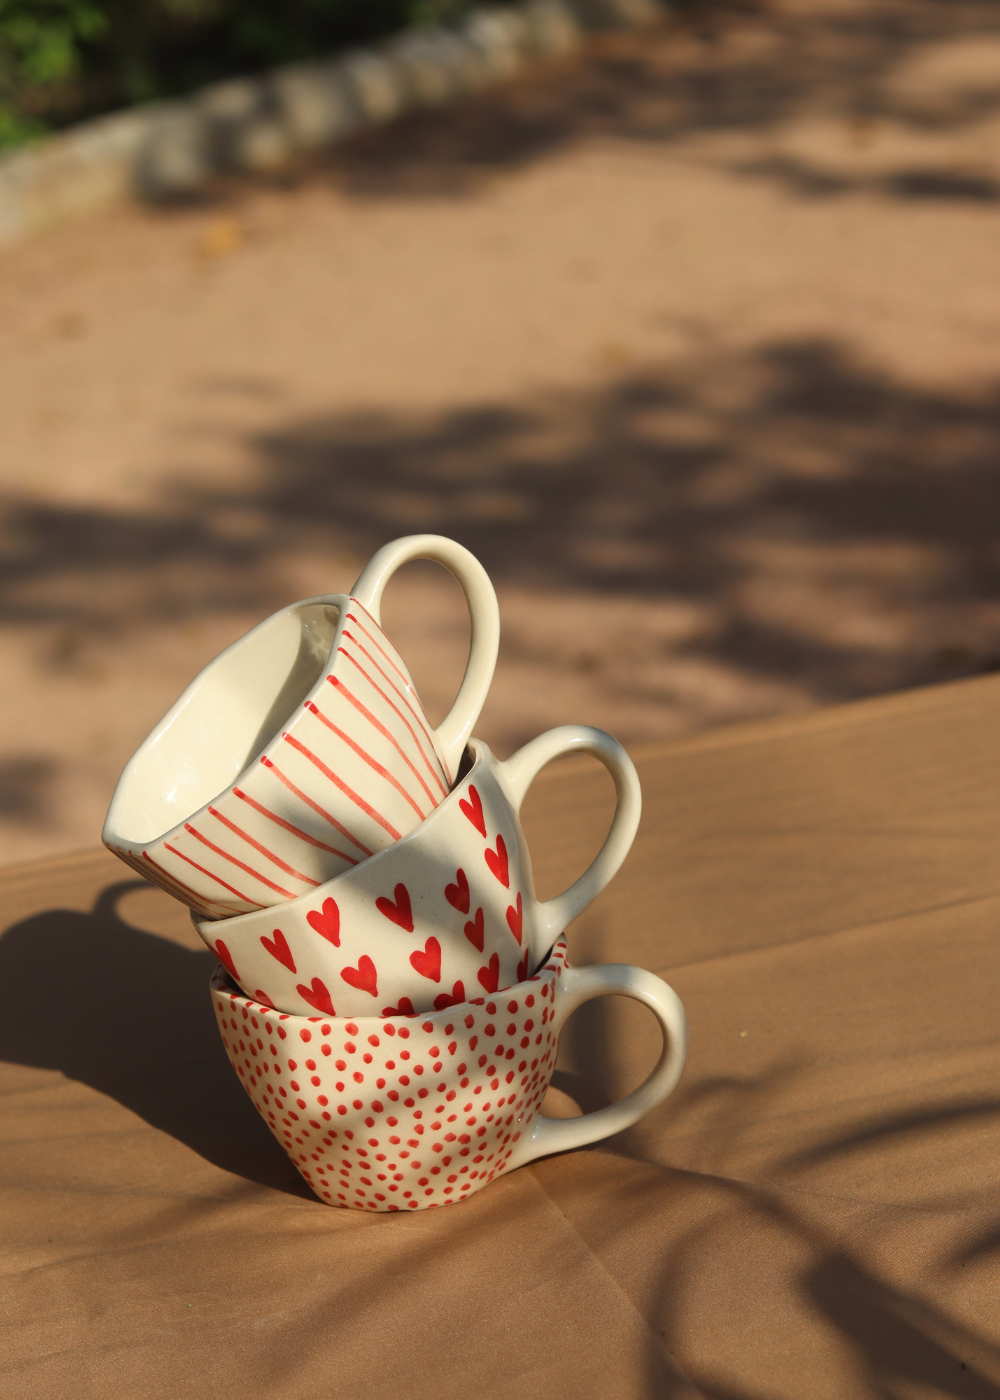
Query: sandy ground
[{"x": 694, "y": 340}]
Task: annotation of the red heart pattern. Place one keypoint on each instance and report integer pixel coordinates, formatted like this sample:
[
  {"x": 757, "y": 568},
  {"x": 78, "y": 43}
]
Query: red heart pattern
[
  {"x": 363, "y": 977},
  {"x": 401, "y": 912},
  {"x": 405, "y": 1008},
  {"x": 515, "y": 920},
  {"x": 226, "y": 958},
  {"x": 473, "y": 809},
  {"x": 475, "y": 931},
  {"x": 279, "y": 949},
  {"x": 428, "y": 962},
  {"x": 490, "y": 976},
  {"x": 455, "y": 999},
  {"x": 265, "y": 999},
  {"x": 317, "y": 995},
  {"x": 326, "y": 922},
  {"x": 457, "y": 895},
  {"x": 359, "y": 1146},
  {"x": 498, "y": 862}
]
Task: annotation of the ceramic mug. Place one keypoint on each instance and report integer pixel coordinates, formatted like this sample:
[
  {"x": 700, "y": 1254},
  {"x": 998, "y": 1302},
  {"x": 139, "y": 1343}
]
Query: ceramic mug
[
  {"x": 301, "y": 750},
  {"x": 447, "y": 913},
  {"x": 409, "y": 1112}
]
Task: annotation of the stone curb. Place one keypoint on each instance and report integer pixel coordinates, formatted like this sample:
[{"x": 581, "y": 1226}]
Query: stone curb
[{"x": 172, "y": 149}]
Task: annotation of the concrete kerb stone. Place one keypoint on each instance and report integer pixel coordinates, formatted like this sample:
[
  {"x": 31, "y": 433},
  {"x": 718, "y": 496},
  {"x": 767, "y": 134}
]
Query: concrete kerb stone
[
  {"x": 553, "y": 29},
  {"x": 500, "y": 37},
  {"x": 436, "y": 65},
  {"x": 314, "y": 104},
  {"x": 70, "y": 174},
  {"x": 175, "y": 153},
  {"x": 170, "y": 150}
]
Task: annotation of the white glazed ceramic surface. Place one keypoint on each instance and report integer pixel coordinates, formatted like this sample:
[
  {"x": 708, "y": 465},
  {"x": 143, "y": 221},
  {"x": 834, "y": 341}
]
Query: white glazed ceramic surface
[
  {"x": 301, "y": 750},
  {"x": 447, "y": 913},
  {"x": 407, "y": 1113}
]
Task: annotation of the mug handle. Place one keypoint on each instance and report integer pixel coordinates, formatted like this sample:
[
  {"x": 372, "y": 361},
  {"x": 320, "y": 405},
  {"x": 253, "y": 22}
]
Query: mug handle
[
  {"x": 519, "y": 772},
  {"x": 453, "y": 733},
  {"x": 580, "y": 984}
]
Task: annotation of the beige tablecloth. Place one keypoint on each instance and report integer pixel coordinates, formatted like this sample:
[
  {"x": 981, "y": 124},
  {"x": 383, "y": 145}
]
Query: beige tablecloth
[{"x": 814, "y": 1213}]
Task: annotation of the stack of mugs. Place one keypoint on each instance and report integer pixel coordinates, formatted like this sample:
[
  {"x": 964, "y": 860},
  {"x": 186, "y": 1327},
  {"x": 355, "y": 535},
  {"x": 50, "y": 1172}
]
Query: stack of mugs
[{"x": 389, "y": 989}]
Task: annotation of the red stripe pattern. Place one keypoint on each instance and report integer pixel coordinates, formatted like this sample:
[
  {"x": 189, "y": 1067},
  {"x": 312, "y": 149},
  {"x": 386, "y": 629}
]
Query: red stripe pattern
[{"x": 354, "y": 770}]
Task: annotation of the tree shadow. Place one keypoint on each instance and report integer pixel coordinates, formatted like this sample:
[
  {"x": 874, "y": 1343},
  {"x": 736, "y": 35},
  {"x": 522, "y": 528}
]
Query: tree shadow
[
  {"x": 988, "y": 1242},
  {"x": 820, "y": 473},
  {"x": 909, "y": 1124},
  {"x": 900, "y": 1339},
  {"x": 807, "y": 180},
  {"x": 708, "y": 68},
  {"x": 129, "y": 1014},
  {"x": 894, "y": 1337},
  {"x": 24, "y": 782},
  {"x": 787, "y": 524}
]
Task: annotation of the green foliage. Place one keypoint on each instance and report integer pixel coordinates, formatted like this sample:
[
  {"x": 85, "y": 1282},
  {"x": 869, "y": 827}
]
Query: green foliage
[
  {"x": 64, "y": 59},
  {"x": 38, "y": 38},
  {"x": 40, "y": 53}
]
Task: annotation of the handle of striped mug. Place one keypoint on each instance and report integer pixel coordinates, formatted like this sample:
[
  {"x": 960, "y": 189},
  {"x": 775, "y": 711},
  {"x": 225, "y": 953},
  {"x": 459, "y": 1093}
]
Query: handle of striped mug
[{"x": 453, "y": 733}]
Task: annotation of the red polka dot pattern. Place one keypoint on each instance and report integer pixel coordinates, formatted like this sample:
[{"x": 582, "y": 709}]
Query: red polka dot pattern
[{"x": 398, "y": 1112}]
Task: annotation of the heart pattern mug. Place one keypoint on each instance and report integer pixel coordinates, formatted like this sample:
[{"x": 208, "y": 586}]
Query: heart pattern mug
[
  {"x": 447, "y": 913},
  {"x": 409, "y": 1112}
]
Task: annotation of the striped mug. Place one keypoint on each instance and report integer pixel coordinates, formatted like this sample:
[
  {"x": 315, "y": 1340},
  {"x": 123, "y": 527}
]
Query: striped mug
[{"x": 301, "y": 750}]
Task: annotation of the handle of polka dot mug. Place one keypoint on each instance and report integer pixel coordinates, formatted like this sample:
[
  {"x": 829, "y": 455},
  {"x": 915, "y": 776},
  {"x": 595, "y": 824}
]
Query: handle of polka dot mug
[
  {"x": 574, "y": 987},
  {"x": 520, "y": 770},
  {"x": 453, "y": 733}
]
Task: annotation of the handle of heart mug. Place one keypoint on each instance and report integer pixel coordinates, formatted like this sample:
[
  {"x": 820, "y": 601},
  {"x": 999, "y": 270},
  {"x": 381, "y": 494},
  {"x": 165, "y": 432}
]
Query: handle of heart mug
[
  {"x": 453, "y": 733},
  {"x": 519, "y": 772},
  {"x": 574, "y": 987}
]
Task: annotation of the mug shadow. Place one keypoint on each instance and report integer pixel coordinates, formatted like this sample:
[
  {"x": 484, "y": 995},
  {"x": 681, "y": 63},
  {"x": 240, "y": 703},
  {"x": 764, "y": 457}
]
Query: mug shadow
[
  {"x": 128, "y": 1013},
  {"x": 586, "y": 1052},
  {"x": 591, "y": 1067}
]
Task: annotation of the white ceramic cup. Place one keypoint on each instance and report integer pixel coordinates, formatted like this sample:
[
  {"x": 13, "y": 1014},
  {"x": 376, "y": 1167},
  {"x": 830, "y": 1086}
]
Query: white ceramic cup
[
  {"x": 301, "y": 750},
  {"x": 406, "y": 1113},
  {"x": 445, "y": 914}
]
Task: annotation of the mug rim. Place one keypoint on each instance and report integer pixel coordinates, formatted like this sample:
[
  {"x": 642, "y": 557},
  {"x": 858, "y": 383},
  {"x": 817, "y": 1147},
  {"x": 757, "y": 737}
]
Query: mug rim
[
  {"x": 482, "y": 756},
  {"x": 341, "y": 601},
  {"x": 551, "y": 966}
]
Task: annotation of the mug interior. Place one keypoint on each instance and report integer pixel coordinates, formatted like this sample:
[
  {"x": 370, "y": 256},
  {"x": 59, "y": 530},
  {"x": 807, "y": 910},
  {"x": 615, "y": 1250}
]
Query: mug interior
[{"x": 225, "y": 719}]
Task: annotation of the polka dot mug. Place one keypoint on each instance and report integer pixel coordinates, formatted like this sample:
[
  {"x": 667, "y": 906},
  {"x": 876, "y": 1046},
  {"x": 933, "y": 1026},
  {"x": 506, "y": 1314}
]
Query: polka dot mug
[{"x": 407, "y": 1112}]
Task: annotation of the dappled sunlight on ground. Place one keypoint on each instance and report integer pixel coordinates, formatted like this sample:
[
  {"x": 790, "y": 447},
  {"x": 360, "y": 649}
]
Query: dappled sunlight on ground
[{"x": 695, "y": 341}]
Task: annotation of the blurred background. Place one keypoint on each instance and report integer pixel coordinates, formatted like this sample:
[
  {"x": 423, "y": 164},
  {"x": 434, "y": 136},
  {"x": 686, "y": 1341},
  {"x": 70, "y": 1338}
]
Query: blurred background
[{"x": 692, "y": 337}]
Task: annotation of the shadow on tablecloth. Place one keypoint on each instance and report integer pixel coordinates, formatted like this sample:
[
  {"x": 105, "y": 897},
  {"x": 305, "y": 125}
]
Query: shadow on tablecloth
[{"x": 128, "y": 1013}]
